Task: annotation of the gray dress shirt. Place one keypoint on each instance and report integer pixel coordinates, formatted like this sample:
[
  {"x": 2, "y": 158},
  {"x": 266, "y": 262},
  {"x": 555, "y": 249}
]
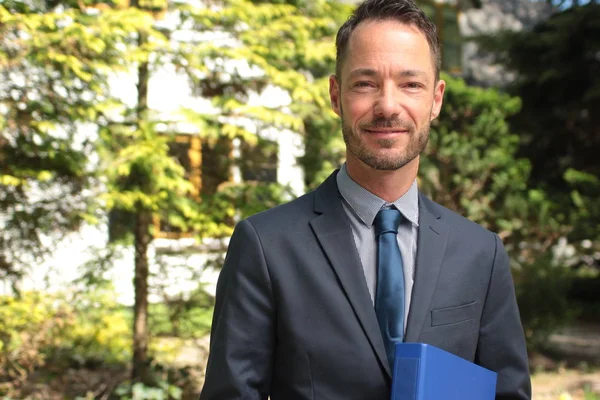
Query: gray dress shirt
[{"x": 362, "y": 206}]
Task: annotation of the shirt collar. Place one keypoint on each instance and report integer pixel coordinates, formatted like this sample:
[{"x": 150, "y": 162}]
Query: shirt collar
[{"x": 366, "y": 205}]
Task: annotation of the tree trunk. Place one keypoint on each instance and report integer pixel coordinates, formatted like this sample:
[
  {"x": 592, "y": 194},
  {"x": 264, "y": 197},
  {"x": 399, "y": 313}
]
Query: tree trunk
[{"x": 140, "y": 370}]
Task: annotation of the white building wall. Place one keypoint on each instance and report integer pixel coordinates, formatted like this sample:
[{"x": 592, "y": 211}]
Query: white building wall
[{"x": 184, "y": 275}]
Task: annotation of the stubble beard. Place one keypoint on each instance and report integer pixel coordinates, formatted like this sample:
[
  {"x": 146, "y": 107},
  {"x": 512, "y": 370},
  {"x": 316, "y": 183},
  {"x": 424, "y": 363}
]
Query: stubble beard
[{"x": 386, "y": 162}]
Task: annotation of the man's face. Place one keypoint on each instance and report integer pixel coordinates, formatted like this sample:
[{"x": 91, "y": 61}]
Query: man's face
[{"x": 386, "y": 95}]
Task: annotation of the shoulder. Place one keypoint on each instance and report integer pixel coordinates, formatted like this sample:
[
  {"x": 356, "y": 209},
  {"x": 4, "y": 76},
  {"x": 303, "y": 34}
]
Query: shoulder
[
  {"x": 461, "y": 228},
  {"x": 290, "y": 221},
  {"x": 286, "y": 215}
]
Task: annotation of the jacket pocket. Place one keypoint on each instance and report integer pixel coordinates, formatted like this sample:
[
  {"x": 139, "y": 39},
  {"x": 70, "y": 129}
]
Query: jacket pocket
[{"x": 453, "y": 315}]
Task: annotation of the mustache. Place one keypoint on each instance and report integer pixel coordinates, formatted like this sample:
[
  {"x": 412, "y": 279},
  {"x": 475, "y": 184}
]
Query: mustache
[{"x": 393, "y": 123}]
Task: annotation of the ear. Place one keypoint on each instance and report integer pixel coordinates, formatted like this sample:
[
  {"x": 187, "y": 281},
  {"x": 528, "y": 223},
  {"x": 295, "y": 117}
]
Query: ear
[
  {"x": 334, "y": 94},
  {"x": 438, "y": 96}
]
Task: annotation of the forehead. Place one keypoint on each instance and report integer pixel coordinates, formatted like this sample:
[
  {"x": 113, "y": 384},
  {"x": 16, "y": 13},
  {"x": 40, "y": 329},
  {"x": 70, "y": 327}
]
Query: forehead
[{"x": 387, "y": 44}]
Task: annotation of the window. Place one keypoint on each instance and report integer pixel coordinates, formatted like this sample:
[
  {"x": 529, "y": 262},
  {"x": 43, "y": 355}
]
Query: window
[
  {"x": 207, "y": 165},
  {"x": 259, "y": 161},
  {"x": 186, "y": 149},
  {"x": 216, "y": 166}
]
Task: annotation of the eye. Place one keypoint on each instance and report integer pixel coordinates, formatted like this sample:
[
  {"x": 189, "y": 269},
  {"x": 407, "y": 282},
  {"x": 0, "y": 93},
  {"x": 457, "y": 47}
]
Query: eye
[
  {"x": 363, "y": 84},
  {"x": 413, "y": 85}
]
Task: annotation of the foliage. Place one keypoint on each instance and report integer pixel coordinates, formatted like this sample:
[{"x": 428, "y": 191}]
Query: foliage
[
  {"x": 54, "y": 66},
  {"x": 558, "y": 129},
  {"x": 584, "y": 205},
  {"x": 589, "y": 394},
  {"x": 541, "y": 288},
  {"x": 181, "y": 318},
  {"x": 168, "y": 383},
  {"x": 185, "y": 322},
  {"x": 58, "y": 59},
  {"x": 291, "y": 46},
  {"x": 246, "y": 199},
  {"x": 64, "y": 57},
  {"x": 324, "y": 148},
  {"x": 557, "y": 116},
  {"x": 262, "y": 46},
  {"x": 26, "y": 327},
  {"x": 37, "y": 329},
  {"x": 285, "y": 42},
  {"x": 558, "y": 125},
  {"x": 142, "y": 175},
  {"x": 97, "y": 333}
]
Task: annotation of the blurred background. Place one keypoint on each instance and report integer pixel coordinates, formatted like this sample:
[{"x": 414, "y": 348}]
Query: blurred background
[{"x": 134, "y": 134}]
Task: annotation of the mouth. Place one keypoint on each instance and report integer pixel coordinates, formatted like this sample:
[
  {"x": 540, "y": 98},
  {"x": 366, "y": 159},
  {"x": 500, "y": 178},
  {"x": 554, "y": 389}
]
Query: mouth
[{"x": 386, "y": 131}]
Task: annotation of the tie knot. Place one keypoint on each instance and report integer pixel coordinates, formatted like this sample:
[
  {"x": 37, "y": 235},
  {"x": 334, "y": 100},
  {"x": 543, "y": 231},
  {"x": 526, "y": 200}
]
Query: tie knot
[{"x": 387, "y": 220}]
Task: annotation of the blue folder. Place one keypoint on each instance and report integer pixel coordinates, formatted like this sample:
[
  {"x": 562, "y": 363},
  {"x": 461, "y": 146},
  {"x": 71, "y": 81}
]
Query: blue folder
[{"x": 425, "y": 372}]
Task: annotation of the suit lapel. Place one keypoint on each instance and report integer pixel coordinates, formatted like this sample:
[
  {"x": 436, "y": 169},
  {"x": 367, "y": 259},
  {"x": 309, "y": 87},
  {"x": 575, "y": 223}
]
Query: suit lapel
[
  {"x": 334, "y": 233},
  {"x": 431, "y": 245}
]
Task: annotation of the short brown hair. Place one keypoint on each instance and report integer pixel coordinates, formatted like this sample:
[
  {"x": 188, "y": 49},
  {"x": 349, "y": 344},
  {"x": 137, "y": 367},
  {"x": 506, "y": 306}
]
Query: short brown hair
[{"x": 404, "y": 11}]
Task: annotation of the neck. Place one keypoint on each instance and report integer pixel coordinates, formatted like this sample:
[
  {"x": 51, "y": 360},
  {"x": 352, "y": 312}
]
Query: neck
[{"x": 387, "y": 185}]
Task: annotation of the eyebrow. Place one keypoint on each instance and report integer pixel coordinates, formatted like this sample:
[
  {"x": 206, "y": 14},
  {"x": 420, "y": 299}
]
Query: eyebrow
[{"x": 402, "y": 74}]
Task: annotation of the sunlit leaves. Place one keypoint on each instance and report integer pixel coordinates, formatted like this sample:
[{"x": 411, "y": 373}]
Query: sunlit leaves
[
  {"x": 54, "y": 65},
  {"x": 284, "y": 44}
]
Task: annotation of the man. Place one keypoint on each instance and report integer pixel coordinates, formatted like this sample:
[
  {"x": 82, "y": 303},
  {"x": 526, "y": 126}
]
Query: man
[{"x": 314, "y": 294}]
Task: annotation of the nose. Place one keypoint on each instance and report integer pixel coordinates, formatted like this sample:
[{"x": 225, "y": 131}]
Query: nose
[{"x": 388, "y": 102}]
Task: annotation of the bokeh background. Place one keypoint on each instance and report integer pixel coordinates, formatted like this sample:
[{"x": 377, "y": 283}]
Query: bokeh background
[{"x": 135, "y": 133}]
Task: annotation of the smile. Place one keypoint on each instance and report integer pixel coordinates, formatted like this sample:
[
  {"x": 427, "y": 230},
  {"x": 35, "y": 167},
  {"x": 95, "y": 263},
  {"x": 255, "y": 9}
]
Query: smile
[{"x": 386, "y": 131}]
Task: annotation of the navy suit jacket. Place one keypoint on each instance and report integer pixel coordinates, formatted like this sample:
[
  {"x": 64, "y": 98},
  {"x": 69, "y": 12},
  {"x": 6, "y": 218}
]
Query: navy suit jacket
[{"x": 293, "y": 318}]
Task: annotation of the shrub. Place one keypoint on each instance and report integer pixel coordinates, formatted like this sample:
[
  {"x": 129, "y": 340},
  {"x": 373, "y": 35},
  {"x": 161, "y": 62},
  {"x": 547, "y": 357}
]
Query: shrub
[
  {"x": 98, "y": 331},
  {"x": 27, "y": 324},
  {"x": 77, "y": 328},
  {"x": 541, "y": 287}
]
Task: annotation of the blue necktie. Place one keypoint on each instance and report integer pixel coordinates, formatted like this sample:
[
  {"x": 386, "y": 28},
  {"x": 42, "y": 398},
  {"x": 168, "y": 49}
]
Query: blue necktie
[{"x": 389, "y": 297}]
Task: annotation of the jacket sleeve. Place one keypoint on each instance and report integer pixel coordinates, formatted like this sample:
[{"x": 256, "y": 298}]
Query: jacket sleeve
[
  {"x": 501, "y": 345},
  {"x": 242, "y": 342}
]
